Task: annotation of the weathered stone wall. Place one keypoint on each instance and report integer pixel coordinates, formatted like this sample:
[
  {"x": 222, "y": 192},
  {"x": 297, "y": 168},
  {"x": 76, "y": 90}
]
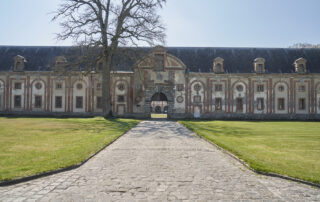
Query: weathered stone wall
[{"x": 189, "y": 95}]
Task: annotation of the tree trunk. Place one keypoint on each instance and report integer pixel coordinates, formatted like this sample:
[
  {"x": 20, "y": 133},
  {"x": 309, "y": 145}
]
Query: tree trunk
[{"x": 106, "y": 83}]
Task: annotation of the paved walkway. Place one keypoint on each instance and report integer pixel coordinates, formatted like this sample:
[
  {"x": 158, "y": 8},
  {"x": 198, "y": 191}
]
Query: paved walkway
[{"x": 159, "y": 161}]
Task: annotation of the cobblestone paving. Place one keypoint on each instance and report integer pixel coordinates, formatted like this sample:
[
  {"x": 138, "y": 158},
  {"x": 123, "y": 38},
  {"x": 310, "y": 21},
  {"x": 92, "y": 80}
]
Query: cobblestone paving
[{"x": 159, "y": 161}]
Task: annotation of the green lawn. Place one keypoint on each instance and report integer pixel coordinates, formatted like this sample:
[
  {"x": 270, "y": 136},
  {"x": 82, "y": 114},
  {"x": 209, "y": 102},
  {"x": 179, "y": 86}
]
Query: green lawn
[
  {"x": 34, "y": 145},
  {"x": 287, "y": 148}
]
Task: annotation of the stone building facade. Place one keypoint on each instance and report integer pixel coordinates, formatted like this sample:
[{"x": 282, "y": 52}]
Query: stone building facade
[{"x": 247, "y": 83}]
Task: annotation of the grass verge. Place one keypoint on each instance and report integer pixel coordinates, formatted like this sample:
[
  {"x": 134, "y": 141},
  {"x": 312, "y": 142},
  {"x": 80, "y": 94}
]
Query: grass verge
[
  {"x": 30, "y": 146},
  {"x": 286, "y": 148}
]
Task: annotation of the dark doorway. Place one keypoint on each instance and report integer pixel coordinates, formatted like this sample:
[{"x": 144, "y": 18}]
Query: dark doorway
[
  {"x": 239, "y": 106},
  {"x": 159, "y": 106}
]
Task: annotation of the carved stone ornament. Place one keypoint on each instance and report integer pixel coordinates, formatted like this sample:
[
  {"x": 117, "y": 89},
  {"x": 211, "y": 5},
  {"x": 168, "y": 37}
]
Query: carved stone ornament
[
  {"x": 121, "y": 87},
  {"x": 180, "y": 99},
  {"x": 138, "y": 99},
  {"x": 239, "y": 88},
  {"x": 281, "y": 88},
  {"x": 38, "y": 85},
  {"x": 79, "y": 86},
  {"x": 197, "y": 87}
]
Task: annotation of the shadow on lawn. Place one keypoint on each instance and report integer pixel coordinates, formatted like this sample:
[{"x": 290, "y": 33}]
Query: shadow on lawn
[{"x": 229, "y": 130}]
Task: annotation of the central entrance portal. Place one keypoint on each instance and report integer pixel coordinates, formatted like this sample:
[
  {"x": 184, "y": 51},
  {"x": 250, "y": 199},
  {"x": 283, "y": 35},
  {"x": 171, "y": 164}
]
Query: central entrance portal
[{"x": 159, "y": 106}]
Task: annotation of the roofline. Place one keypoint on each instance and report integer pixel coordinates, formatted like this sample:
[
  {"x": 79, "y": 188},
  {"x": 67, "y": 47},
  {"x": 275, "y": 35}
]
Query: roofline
[{"x": 186, "y": 47}]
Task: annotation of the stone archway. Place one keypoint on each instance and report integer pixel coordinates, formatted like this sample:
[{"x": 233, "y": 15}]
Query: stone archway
[
  {"x": 159, "y": 103},
  {"x": 160, "y": 92}
]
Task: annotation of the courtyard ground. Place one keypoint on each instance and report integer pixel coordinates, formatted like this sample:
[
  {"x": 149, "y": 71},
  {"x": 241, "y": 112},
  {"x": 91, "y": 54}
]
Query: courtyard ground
[
  {"x": 34, "y": 145},
  {"x": 287, "y": 148},
  {"x": 160, "y": 161}
]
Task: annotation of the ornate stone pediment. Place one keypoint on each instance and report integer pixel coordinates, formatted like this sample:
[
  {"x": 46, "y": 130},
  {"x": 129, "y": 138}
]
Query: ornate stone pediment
[{"x": 152, "y": 60}]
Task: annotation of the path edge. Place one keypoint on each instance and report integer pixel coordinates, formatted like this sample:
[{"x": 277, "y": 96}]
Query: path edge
[
  {"x": 52, "y": 172},
  {"x": 270, "y": 174}
]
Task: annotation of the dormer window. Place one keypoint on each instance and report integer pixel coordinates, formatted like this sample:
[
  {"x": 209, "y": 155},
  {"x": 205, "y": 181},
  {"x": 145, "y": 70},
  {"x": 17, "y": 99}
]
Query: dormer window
[
  {"x": 219, "y": 68},
  {"x": 18, "y": 65},
  {"x": 218, "y": 65},
  {"x": 60, "y": 63},
  {"x": 259, "y": 65},
  {"x": 100, "y": 65},
  {"x": 300, "y": 65},
  {"x": 301, "y": 68},
  {"x": 19, "y": 62}
]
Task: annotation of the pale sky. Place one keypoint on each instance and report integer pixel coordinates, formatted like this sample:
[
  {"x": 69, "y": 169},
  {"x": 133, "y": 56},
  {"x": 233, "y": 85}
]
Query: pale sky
[{"x": 205, "y": 23}]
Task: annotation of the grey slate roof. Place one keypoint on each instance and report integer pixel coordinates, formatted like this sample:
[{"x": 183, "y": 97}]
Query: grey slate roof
[{"x": 197, "y": 59}]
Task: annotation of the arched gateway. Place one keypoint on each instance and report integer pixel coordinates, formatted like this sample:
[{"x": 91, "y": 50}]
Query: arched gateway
[
  {"x": 157, "y": 76},
  {"x": 159, "y": 100},
  {"x": 159, "y": 103}
]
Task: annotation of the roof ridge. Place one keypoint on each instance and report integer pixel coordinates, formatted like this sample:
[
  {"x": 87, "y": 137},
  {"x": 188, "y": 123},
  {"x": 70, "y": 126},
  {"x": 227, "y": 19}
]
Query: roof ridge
[{"x": 186, "y": 47}]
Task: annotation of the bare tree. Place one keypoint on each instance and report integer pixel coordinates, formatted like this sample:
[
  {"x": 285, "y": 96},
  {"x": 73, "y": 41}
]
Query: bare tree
[{"x": 108, "y": 24}]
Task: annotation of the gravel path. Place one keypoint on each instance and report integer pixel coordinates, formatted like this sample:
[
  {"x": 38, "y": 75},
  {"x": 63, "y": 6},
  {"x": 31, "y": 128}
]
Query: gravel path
[{"x": 159, "y": 161}]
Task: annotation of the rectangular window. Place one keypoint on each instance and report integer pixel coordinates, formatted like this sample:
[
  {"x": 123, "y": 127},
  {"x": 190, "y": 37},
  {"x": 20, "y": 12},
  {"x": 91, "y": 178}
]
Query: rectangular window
[
  {"x": 260, "y": 104},
  {"x": 260, "y": 88},
  {"x": 260, "y": 68},
  {"x": 218, "y": 87},
  {"x": 58, "y": 102},
  {"x": 138, "y": 86},
  {"x": 17, "y": 101},
  {"x": 58, "y": 86},
  {"x": 37, "y": 101},
  {"x": 180, "y": 87},
  {"x": 159, "y": 62},
  {"x": 99, "y": 102},
  {"x": 218, "y": 104},
  {"x": 302, "y": 104},
  {"x": 79, "y": 102},
  {"x": 17, "y": 85},
  {"x": 120, "y": 98},
  {"x": 281, "y": 104},
  {"x": 197, "y": 99},
  {"x": 100, "y": 65},
  {"x": 302, "y": 88},
  {"x": 239, "y": 106},
  {"x": 98, "y": 86}
]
